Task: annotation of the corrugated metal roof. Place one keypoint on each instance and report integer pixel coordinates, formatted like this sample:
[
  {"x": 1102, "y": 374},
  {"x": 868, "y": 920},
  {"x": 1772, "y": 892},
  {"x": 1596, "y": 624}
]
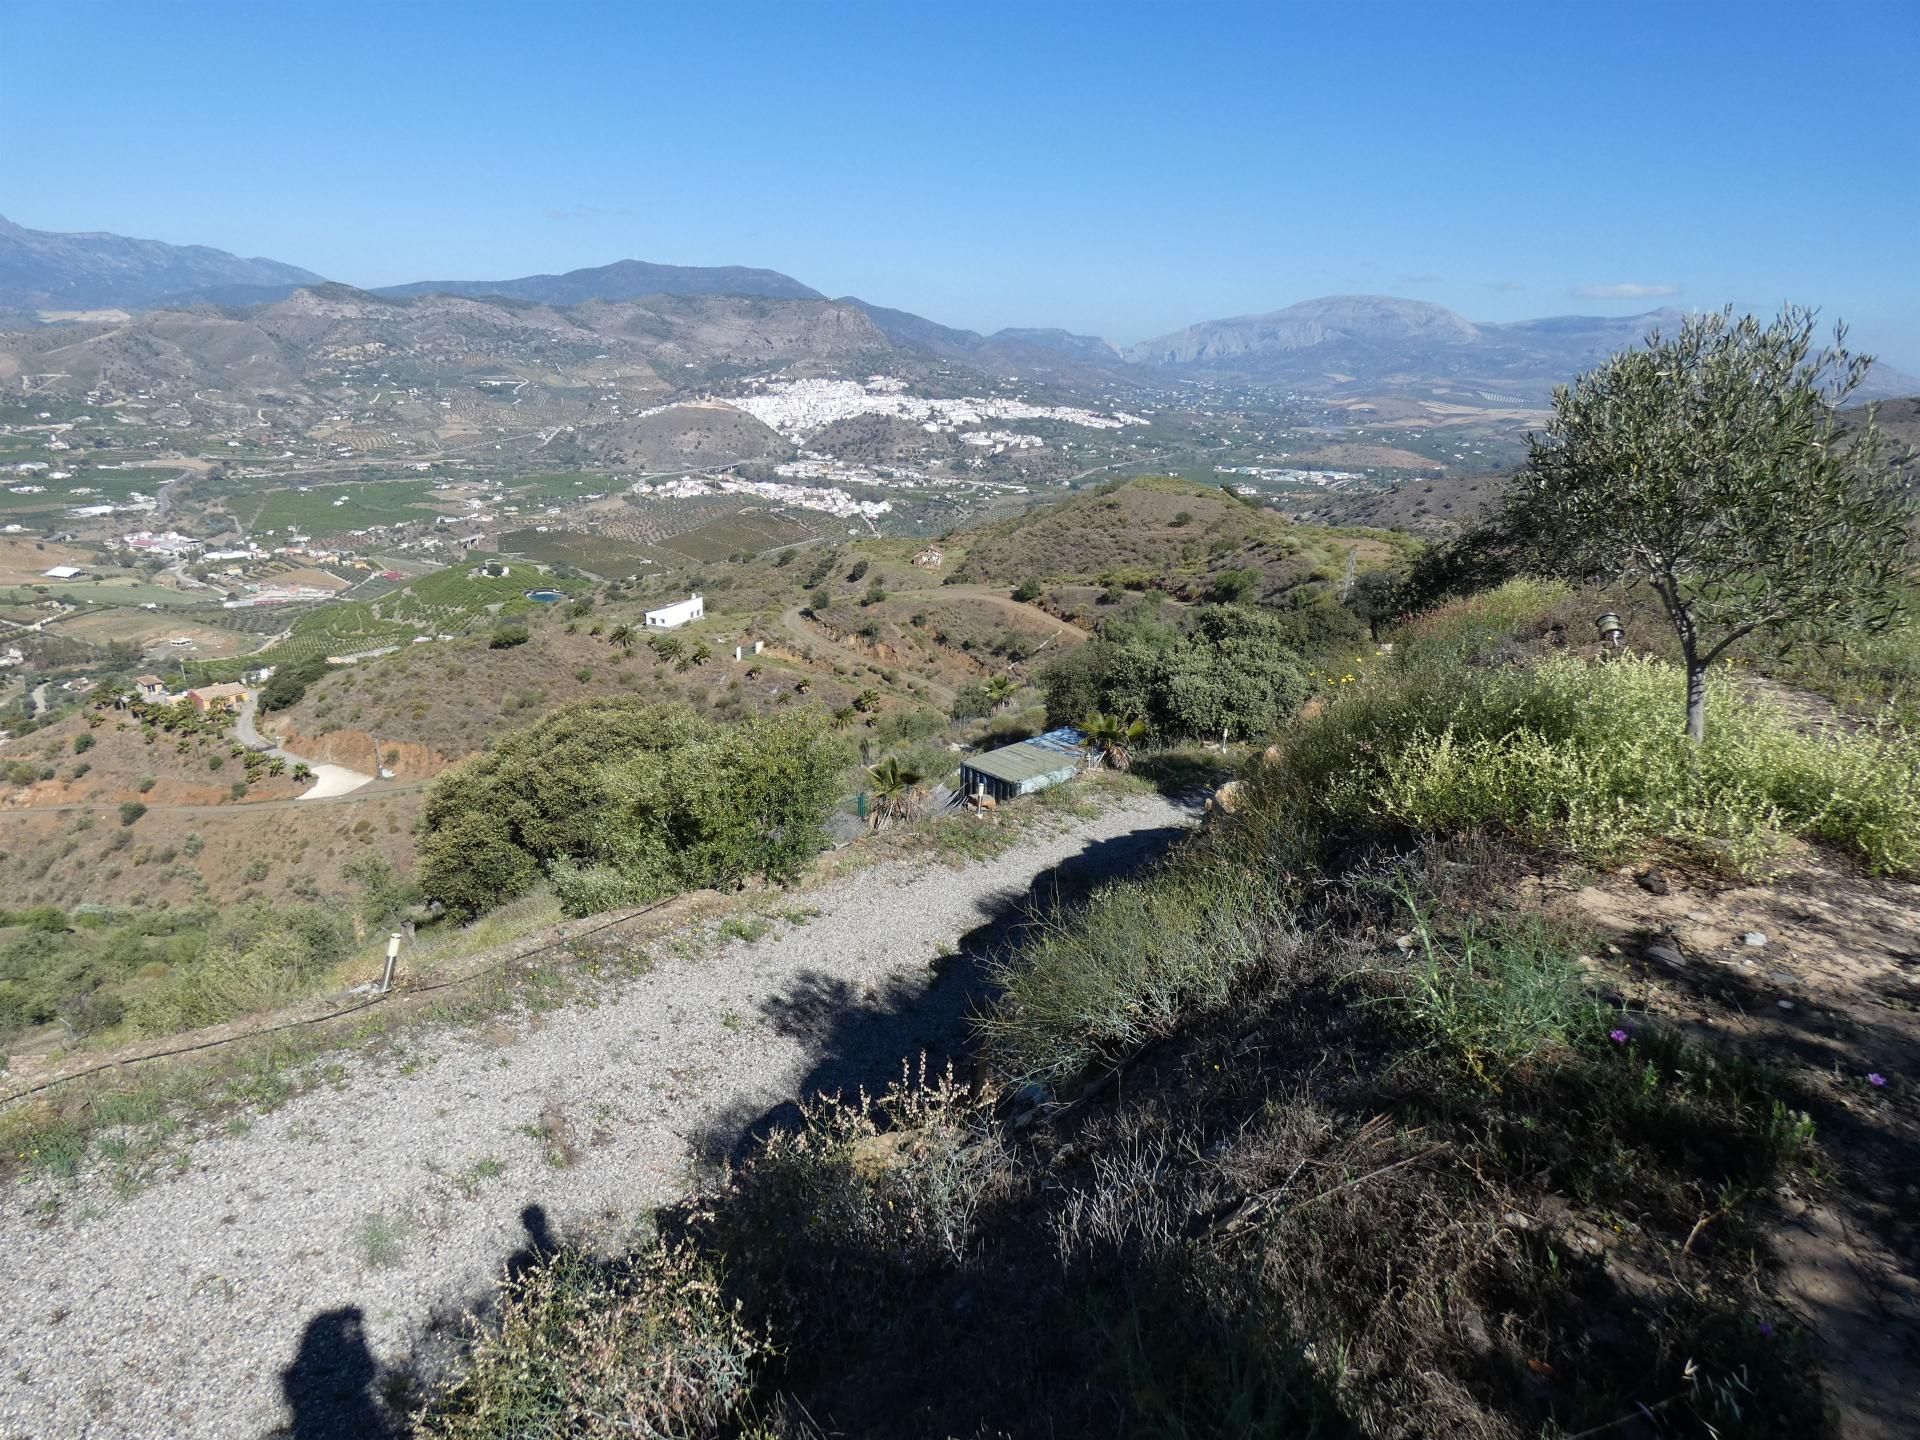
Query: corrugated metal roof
[{"x": 1042, "y": 755}]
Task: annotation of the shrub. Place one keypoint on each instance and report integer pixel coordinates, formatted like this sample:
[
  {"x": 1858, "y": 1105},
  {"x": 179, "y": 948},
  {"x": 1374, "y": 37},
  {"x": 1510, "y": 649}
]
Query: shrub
[
  {"x": 287, "y": 686},
  {"x": 591, "y": 1350},
  {"x": 130, "y": 811},
  {"x": 93, "y": 1011},
  {"x": 1236, "y": 670},
  {"x": 505, "y": 637},
  {"x": 1027, "y": 591},
  {"x": 859, "y": 570},
  {"x": 257, "y": 956},
  {"x": 829, "y": 1220},
  {"x": 1141, "y": 956},
  {"x": 82, "y": 743},
  {"x": 669, "y": 800}
]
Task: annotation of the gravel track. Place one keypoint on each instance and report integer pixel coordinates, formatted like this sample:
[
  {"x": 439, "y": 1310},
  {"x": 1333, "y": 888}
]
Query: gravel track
[{"x": 246, "y": 1295}]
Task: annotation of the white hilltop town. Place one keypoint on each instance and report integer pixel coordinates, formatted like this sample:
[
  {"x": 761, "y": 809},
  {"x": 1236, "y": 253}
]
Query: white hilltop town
[
  {"x": 798, "y": 407},
  {"x": 832, "y": 500}
]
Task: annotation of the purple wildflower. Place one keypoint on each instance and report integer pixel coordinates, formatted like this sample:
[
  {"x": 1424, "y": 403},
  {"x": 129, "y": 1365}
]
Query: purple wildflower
[
  {"x": 1876, "y": 1079},
  {"x": 1619, "y": 1037},
  {"x": 1766, "y": 1330}
]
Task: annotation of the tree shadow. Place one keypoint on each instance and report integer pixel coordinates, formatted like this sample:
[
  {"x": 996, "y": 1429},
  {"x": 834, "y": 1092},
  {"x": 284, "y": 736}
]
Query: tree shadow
[{"x": 864, "y": 1037}]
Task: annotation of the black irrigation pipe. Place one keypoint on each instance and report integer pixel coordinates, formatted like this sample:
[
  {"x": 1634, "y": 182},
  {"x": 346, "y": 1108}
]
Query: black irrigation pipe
[{"x": 334, "y": 1014}]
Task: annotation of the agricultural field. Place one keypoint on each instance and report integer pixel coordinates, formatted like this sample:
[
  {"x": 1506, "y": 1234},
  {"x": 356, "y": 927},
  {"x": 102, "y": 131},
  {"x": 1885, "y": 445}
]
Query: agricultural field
[
  {"x": 154, "y": 633},
  {"x": 454, "y": 597},
  {"x": 566, "y": 485},
  {"x": 330, "y": 509},
  {"x": 343, "y": 627}
]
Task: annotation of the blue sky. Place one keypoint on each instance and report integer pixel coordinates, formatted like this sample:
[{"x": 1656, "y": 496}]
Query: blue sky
[{"x": 1120, "y": 169}]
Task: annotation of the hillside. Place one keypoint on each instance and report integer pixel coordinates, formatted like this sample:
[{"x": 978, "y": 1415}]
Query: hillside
[
  {"x": 1173, "y": 535},
  {"x": 90, "y": 270}
]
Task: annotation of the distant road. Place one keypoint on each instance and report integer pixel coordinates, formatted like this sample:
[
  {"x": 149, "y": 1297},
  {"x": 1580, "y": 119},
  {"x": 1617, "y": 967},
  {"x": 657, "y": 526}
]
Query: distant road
[
  {"x": 367, "y": 791},
  {"x": 332, "y": 780}
]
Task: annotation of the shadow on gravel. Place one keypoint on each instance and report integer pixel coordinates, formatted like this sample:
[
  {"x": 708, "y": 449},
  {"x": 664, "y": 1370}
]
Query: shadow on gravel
[
  {"x": 330, "y": 1384},
  {"x": 862, "y": 1037},
  {"x": 337, "y": 1390}
]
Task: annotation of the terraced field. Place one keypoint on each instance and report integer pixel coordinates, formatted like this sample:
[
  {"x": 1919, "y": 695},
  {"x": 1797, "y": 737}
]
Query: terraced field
[{"x": 604, "y": 555}]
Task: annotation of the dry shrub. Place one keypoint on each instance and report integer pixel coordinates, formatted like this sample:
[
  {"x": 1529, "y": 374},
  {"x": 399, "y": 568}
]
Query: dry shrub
[
  {"x": 830, "y": 1223},
  {"x": 591, "y": 1350}
]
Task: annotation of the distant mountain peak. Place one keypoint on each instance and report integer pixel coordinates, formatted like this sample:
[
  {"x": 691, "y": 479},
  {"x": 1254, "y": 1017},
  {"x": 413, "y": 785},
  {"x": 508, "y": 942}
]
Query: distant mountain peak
[
  {"x": 622, "y": 280},
  {"x": 1362, "y": 319}
]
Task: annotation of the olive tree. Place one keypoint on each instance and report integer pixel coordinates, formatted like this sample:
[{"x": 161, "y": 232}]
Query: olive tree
[{"x": 1714, "y": 466}]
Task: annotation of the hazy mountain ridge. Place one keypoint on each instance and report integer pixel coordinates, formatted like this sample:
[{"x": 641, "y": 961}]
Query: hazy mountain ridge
[
  {"x": 1351, "y": 347},
  {"x": 1357, "y": 341},
  {"x": 45, "y": 269},
  {"x": 622, "y": 280}
]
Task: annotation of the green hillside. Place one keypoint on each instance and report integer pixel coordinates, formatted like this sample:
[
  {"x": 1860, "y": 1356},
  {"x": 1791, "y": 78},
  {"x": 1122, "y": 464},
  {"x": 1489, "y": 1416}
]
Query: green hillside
[{"x": 1173, "y": 535}]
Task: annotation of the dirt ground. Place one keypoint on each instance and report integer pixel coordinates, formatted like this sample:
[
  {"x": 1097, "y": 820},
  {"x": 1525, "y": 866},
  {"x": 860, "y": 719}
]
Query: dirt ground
[
  {"x": 1816, "y": 973},
  {"x": 151, "y": 630}
]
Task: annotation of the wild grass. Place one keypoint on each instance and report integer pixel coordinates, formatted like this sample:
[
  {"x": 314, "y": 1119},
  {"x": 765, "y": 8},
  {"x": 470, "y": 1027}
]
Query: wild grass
[
  {"x": 1137, "y": 959},
  {"x": 1591, "y": 759}
]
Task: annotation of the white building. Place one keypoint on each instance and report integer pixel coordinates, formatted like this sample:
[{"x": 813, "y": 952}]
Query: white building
[{"x": 690, "y": 609}]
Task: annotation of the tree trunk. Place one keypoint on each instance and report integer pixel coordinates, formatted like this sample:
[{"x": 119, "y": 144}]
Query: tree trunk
[{"x": 1696, "y": 700}]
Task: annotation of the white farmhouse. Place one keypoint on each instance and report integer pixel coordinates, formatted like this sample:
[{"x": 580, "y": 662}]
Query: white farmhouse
[{"x": 692, "y": 608}]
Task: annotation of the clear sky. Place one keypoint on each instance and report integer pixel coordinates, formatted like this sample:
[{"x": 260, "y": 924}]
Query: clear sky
[{"x": 1122, "y": 169}]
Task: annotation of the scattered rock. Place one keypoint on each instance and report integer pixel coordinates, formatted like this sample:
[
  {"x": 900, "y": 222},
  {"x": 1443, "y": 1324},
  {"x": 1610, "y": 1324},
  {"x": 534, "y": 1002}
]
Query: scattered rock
[
  {"x": 1754, "y": 938},
  {"x": 1698, "y": 917},
  {"x": 1666, "y": 955},
  {"x": 1653, "y": 881},
  {"x": 1784, "y": 1004}
]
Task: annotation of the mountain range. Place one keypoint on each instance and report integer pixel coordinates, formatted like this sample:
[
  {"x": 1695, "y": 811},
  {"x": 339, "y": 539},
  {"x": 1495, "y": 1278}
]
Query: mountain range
[
  {"x": 1345, "y": 344},
  {"x": 47, "y": 270}
]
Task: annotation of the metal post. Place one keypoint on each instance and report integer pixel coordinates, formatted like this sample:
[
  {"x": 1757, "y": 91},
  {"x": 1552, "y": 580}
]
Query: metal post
[{"x": 393, "y": 954}]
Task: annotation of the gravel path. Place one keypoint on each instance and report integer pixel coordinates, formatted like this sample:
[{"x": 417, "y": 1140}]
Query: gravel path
[{"x": 264, "y": 1288}]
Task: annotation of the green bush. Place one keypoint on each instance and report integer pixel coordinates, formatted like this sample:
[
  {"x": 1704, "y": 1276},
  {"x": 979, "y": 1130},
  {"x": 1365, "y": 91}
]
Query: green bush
[
  {"x": 287, "y": 686},
  {"x": 82, "y": 743},
  {"x": 665, "y": 798},
  {"x": 130, "y": 811},
  {"x": 585, "y": 1349},
  {"x": 1236, "y": 670}
]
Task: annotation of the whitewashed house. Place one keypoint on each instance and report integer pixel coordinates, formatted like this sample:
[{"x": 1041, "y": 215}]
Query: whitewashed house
[{"x": 690, "y": 609}]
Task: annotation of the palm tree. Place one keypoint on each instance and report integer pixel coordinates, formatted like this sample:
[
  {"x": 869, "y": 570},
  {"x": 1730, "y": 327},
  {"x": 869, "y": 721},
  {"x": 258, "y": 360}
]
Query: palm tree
[
  {"x": 894, "y": 790},
  {"x": 867, "y": 701},
  {"x": 622, "y": 635},
  {"x": 843, "y": 717},
  {"x": 698, "y": 655},
  {"x": 1110, "y": 739},
  {"x": 668, "y": 647},
  {"x": 302, "y": 771},
  {"x": 1001, "y": 689}
]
